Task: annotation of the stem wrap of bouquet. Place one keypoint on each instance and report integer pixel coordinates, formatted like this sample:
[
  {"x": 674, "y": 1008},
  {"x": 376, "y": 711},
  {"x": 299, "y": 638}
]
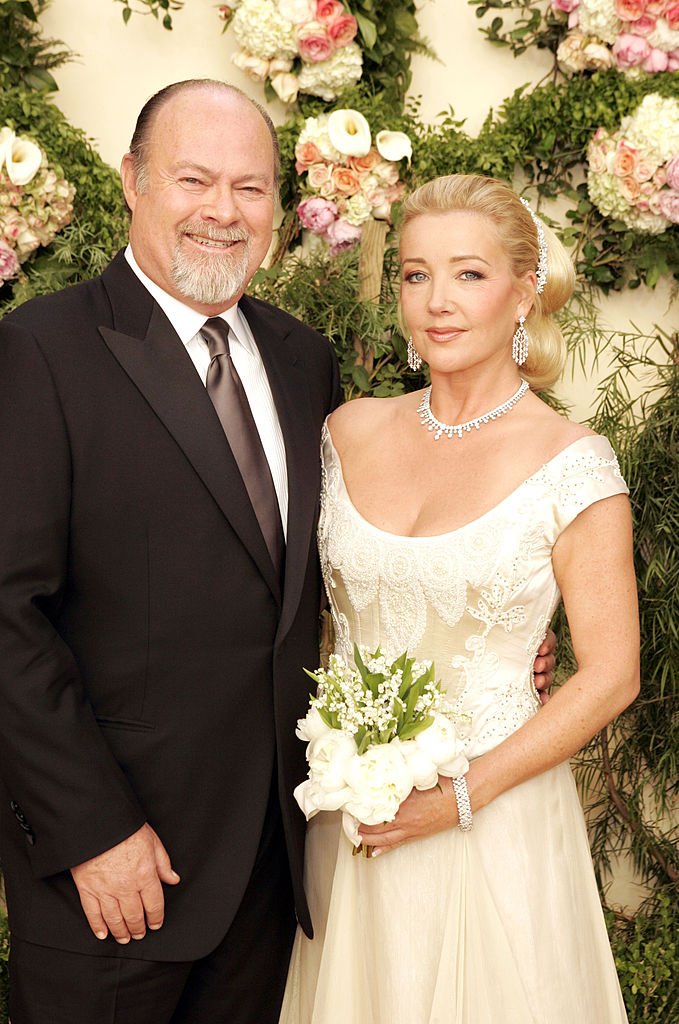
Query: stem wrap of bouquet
[{"x": 376, "y": 730}]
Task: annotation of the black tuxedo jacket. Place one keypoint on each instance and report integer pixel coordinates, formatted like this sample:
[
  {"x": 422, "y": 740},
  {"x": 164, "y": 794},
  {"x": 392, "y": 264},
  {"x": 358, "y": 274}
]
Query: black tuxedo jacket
[{"x": 150, "y": 667}]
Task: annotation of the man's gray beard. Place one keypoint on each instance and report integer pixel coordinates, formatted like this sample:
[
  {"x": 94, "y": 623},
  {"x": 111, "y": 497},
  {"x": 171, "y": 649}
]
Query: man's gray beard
[{"x": 211, "y": 280}]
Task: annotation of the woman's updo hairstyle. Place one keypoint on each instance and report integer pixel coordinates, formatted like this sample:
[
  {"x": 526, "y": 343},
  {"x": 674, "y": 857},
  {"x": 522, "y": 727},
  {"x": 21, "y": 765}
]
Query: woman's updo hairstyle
[{"x": 495, "y": 200}]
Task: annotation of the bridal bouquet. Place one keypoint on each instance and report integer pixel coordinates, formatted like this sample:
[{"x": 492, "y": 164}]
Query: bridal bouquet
[
  {"x": 297, "y": 45},
  {"x": 623, "y": 33},
  {"x": 35, "y": 202},
  {"x": 633, "y": 173},
  {"x": 374, "y": 731},
  {"x": 349, "y": 180}
]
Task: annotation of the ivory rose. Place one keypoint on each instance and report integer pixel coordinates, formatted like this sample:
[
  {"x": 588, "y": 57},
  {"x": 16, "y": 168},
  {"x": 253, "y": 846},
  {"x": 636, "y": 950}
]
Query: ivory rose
[
  {"x": 256, "y": 67},
  {"x": 598, "y": 56},
  {"x": 286, "y": 86},
  {"x": 314, "y": 42},
  {"x": 296, "y": 11}
]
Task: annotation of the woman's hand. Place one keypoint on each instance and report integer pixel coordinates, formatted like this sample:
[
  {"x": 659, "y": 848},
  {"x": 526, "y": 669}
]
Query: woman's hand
[{"x": 423, "y": 813}]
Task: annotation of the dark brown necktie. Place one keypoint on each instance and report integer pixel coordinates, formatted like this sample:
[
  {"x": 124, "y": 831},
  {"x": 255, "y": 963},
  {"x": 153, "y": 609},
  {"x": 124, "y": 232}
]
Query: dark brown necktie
[{"x": 225, "y": 388}]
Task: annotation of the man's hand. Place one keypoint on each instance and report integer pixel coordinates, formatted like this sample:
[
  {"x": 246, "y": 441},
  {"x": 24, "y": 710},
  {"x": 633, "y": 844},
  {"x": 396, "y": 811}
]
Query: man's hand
[
  {"x": 545, "y": 664},
  {"x": 120, "y": 890}
]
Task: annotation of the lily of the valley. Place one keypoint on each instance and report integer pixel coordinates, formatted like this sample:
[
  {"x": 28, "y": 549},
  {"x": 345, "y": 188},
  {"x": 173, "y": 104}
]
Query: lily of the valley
[{"x": 349, "y": 132}]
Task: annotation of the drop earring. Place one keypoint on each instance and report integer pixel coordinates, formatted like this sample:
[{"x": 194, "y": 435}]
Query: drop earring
[
  {"x": 520, "y": 343},
  {"x": 414, "y": 357}
]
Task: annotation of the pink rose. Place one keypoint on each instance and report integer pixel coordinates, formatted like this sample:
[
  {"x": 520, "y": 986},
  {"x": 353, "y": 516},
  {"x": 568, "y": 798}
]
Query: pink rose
[
  {"x": 342, "y": 235},
  {"x": 625, "y": 160},
  {"x": 630, "y": 190},
  {"x": 629, "y": 50},
  {"x": 314, "y": 43},
  {"x": 326, "y": 10},
  {"x": 565, "y": 5},
  {"x": 644, "y": 170},
  {"x": 319, "y": 175},
  {"x": 657, "y": 7},
  {"x": 573, "y": 19},
  {"x": 672, "y": 17},
  {"x": 630, "y": 10},
  {"x": 672, "y": 173},
  {"x": 9, "y": 264},
  {"x": 306, "y": 154},
  {"x": 673, "y": 62},
  {"x": 317, "y": 214},
  {"x": 669, "y": 205},
  {"x": 657, "y": 60},
  {"x": 643, "y": 26},
  {"x": 345, "y": 181},
  {"x": 343, "y": 29},
  {"x": 660, "y": 177}
]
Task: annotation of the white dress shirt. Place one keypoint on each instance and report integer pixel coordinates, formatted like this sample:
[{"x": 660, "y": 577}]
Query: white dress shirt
[{"x": 187, "y": 323}]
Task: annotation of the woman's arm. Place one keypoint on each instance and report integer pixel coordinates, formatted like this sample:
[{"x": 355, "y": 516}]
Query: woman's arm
[{"x": 595, "y": 571}]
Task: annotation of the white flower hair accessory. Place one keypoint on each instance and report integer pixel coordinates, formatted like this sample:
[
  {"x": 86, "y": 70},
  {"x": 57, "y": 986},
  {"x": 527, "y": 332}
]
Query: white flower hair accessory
[{"x": 541, "y": 269}]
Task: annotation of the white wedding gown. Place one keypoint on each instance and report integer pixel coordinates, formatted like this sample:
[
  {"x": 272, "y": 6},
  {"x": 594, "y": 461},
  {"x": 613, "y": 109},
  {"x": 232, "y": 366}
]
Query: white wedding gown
[{"x": 500, "y": 925}]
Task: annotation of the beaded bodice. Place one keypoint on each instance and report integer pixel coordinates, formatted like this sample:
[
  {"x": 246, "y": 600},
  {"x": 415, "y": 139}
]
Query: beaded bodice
[{"x": 477, "y": 600}]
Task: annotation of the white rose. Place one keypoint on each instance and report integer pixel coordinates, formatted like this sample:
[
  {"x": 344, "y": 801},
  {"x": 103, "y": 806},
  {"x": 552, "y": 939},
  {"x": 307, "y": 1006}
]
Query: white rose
[
  {"x": 22, "y": 160},
  {"x": 394, "y": 145},
  {"x": 286, "y": 86},
  {"x": 349, "y": 132},
  {"x": 357, "y": 210},
  {"x": 277, "y": 65},
  {"x": 380, "y": 780},
  {"x": 312, "y": 798},
  {"x": 256, "y": 67}
]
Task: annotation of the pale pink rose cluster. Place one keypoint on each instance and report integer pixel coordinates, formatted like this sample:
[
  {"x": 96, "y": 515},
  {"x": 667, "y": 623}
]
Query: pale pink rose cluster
[
  {"x": 280, "y": 39},
  {"x": 31, "y": 214},
  {"x": 631, "y": 182},
  {"x": 345, "y": 190},
  {"x": 624, "y": 33}
]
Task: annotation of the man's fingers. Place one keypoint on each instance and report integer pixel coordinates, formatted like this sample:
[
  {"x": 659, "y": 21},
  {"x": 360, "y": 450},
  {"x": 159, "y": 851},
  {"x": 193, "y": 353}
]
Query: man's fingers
[
  {"x": 132, "y": 910},
  {"x": 90, "y": 905},
  {"x": 154, "y": 904},
  {"x": 166, "y": 872},
  {"x": 113, "y": 917}
]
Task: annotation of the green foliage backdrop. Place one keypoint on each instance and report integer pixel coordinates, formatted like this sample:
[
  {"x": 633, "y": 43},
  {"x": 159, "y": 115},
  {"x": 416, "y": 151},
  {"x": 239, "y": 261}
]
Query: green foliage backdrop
[{"x": 538, "y": 138}]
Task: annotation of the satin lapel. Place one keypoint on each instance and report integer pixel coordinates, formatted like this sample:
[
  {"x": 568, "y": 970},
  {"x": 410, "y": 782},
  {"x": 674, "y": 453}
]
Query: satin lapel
[
  {"x": 161, "y": 368},
  {"x": 290, "y": 389}
]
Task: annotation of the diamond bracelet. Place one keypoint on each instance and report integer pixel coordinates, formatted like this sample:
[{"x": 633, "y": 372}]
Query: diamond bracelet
[{"x": 464, "y": 807}]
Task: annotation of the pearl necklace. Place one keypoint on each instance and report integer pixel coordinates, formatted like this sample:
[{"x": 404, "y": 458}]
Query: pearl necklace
[{"x": 428, "y": 420}]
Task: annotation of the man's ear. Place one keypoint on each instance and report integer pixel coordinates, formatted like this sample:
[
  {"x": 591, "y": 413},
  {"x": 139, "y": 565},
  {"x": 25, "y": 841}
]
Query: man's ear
[{"x": 129, "y": 179}]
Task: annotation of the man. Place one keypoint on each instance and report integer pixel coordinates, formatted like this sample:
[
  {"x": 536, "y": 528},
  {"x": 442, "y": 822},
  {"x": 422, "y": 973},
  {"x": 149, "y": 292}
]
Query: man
[{"x": 153, "y": 618}]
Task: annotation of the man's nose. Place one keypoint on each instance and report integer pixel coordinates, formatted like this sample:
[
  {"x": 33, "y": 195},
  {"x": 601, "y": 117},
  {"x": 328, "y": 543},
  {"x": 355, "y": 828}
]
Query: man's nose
[{"x": 220, "y": 205}]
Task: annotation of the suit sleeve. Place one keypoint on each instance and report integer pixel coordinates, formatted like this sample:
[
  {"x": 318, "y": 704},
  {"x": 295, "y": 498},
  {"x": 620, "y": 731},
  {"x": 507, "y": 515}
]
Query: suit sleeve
[{"x": 68, "y": 793}]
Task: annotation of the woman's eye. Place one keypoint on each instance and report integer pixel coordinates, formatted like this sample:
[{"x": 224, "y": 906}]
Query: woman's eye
[
  {"x": 471, "y": 275},
  {"x": 415, "y": 276}
]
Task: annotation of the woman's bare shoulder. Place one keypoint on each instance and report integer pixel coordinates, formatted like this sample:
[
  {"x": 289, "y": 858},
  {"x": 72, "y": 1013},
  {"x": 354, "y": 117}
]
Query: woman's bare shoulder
[{"x": 362, "y": 417}]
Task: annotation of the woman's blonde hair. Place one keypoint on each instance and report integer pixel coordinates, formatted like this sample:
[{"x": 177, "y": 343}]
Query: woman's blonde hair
[{"x": 495, "y": 200}]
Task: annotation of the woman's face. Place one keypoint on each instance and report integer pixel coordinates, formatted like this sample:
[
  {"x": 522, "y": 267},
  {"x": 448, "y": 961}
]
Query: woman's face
[{"x": 459, "y": 297}]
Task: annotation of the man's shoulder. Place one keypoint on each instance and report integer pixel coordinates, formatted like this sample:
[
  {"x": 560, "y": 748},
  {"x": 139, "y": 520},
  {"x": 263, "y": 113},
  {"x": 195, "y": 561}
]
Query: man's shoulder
[
  {"x": 284, "y": 320},
  {"x": 60, "y": 311}
]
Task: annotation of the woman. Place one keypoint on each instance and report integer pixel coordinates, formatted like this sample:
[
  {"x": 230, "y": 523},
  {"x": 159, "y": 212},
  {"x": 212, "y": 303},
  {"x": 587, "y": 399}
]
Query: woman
[{"x": 452, "y": 521}]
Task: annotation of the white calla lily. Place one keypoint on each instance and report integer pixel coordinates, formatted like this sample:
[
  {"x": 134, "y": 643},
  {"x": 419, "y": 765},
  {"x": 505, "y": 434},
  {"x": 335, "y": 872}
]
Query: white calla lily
[
  {"x": 349, "y": 132},
  {"x": 7, "y": 137},
  {"x": 394, "y": 145},
  {"x": 22, "y": 160}
]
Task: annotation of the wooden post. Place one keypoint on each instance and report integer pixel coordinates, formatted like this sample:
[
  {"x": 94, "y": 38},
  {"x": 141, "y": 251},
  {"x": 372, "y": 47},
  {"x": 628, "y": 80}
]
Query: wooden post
[{"x": 370, "y": 264}]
